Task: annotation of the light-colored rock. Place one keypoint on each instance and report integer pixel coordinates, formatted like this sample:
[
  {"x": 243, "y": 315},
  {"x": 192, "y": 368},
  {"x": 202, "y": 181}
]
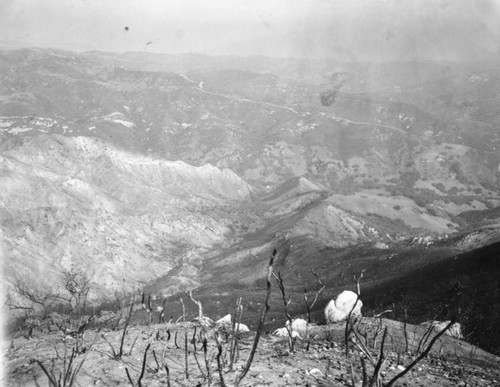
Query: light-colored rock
[
  {"x": 205, "y": 321},
  {"x": 283, "y": 332},
  {"x": 241, "y": 328},
  {"x": 226, "y": 323},
  {"x": 337, "y": 310},
  {"x": 315, "y": 372},
  {"x": 299, "y": 325},
  {"x": 455, "y": 330},
  {"x": 223, "y": 321}
]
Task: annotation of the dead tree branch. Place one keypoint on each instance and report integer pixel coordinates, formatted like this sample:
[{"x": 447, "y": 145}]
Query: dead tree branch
[
  {"x": 260, "y": 327},
  {"x": 200, "y": 307},
  {"x": 286, "y": 302},
  {"x": 421, "y": 356}
]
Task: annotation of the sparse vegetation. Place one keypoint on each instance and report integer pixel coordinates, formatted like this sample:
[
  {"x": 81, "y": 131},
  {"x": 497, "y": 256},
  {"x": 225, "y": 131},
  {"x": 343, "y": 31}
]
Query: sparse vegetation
[
  {"x": 45, "y": 309},
  {"x": 118, "y": 354},
  {"x": 372, "y": 347}
]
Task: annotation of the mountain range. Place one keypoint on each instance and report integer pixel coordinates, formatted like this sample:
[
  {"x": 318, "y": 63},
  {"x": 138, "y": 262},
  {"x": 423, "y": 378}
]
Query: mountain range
[{"x": 183, "y": 172}]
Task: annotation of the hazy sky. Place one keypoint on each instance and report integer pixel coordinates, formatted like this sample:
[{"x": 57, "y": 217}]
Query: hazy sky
[{"x": 352, "y": 29}]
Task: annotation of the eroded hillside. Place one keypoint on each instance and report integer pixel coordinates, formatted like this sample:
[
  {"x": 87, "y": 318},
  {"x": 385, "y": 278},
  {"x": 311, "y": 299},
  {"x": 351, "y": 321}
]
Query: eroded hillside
[
  {"x": 179, "y": 172},
  {"x": 77, "y": 202}
]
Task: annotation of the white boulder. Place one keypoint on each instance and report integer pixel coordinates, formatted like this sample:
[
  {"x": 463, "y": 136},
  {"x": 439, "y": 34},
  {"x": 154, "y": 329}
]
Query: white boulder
[
  {"x": 241, "y": 328},
  {"x": 298, "y": 326},
  {"x": 224, "y": 321},
  {"x": 283, "y": 332},
  {"x": 205, "y": 321},
  {"x": 346, "y": 302},
  {"x": 455, "y": 330}
]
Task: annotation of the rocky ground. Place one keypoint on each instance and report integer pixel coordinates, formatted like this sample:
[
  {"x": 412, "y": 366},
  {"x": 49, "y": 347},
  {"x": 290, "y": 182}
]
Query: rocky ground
[{"x": 451, "y": 362}]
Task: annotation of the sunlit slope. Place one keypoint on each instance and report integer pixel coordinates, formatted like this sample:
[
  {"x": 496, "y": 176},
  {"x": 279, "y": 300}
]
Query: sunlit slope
[{"x": 121, "y": 217}]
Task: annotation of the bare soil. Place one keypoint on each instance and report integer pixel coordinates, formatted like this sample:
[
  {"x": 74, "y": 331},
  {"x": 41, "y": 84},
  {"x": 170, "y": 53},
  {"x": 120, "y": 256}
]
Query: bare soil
[{"x": 451, "y": 362}]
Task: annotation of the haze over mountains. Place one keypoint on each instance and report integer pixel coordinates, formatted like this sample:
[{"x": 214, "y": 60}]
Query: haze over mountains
[{"x": 174, "y": 171}]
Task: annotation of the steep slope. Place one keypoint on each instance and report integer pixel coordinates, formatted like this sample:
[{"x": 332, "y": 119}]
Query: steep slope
[
  {"x": 308, "y": 223},
  {"x": 462, "y": 286},
  {"x": 122, "y": 218},
  {"x": 174, "y": 174}
]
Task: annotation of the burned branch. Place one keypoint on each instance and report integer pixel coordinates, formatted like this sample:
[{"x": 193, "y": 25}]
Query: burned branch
[
  {"x": 286, "y": 302},
  {"x": 260, "y": 327}
]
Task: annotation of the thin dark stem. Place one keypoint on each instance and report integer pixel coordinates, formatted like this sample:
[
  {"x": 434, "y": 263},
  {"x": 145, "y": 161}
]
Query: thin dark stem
[
  {"x": 114, "y": 354},
  {"x": 348, "y": 319},
  {"x": 68, "y": 368},
  {"x": 405, "y": 331},
  {"x": 122, "y": 341},
  {"x": 289, "y": 327},
  {"x": 261, "y": 321},
  {"x": 156, "y": 361},
  {"x": 236, "y": 327},
  {"x": 198, "y": 364},
  {"x": 50, "y": 377},
  {"x": 205, "y": 356},
  {"x": 193, "y": 339},
  {"x": 186, "y": 355},
  {"x": 219, "y": 364},
  {"x": 133, "y": 344},
  {"x": 143, "y": 365},
  {"x": 167, "y": 370},
  {"x": 129, "y": 378},
  {"x": 365, "y": 372},
  {"x": 317, "y": 293},
  {"x": 421, "y": 356},
  {"x": 425, "y": 337},
  {"x": 381, "y": 358}
]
